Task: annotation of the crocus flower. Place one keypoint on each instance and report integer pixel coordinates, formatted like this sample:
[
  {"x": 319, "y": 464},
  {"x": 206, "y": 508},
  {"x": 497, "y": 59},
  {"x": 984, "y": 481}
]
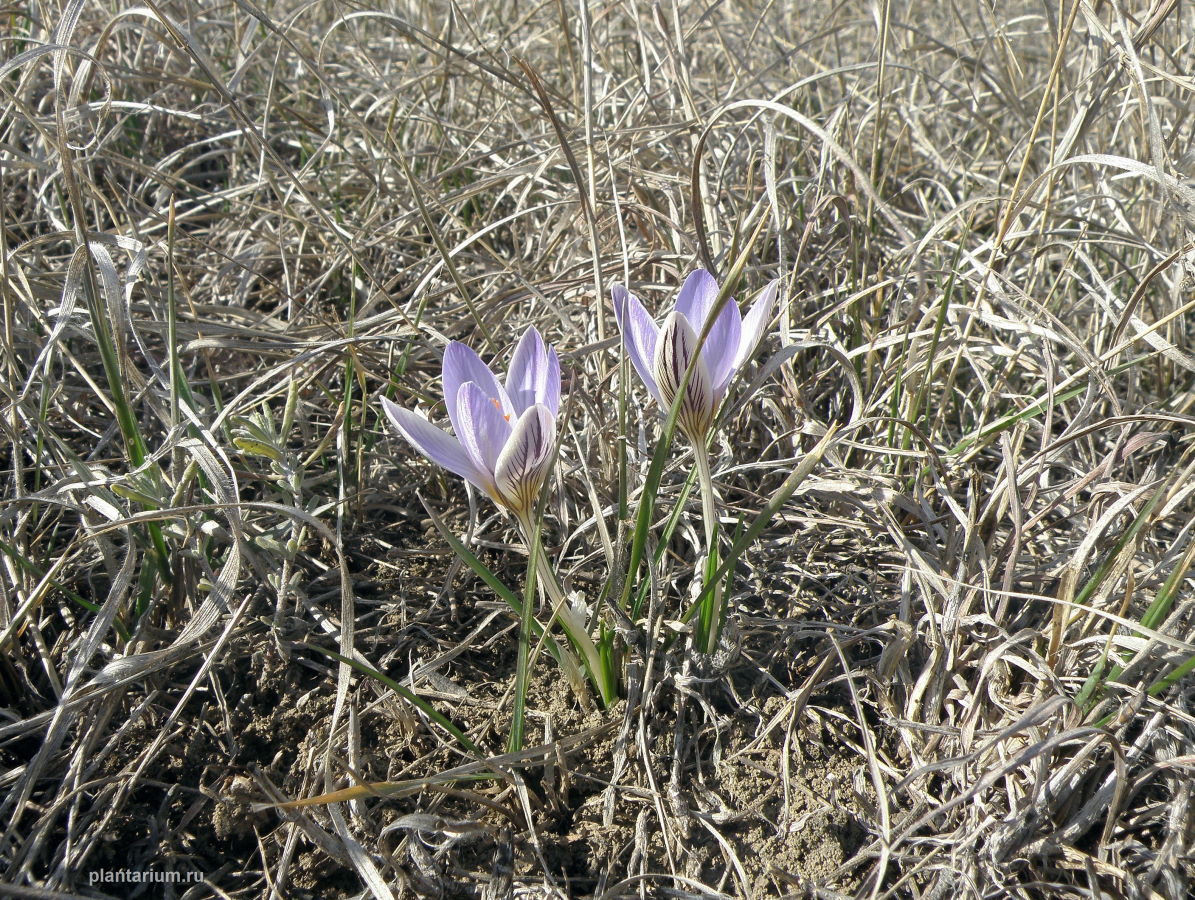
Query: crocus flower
[
  {"x": 662, "y": 354},
  {"x": 504, "y": 435}
]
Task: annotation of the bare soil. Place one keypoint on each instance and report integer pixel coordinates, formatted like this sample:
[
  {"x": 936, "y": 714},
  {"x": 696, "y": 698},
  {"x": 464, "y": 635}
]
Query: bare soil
[{"x": 754, "y": 793}]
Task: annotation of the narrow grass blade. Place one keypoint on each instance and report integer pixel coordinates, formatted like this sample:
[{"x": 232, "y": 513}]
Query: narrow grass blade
[
  {"x": 560, "y": 654},
  {"x": 491, "y": 769},
  {"x": 514, "y": 741},
  {"x": 803, "y": 470},
  {"x": 414, "y": 699}
]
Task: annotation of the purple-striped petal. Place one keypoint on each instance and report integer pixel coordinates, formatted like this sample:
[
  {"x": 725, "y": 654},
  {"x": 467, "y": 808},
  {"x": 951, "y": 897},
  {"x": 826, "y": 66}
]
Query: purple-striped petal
[
  {"x": 639, "y": 335},
  {"x": 755, "y": 322},
  {"x": 438, "y": 446},
  {"x": 674, "y": 353},
  {"x": 484, "y": 429},
  {"x": 523, "y": 465},
  {"x": 461, "y": 364},
  {"x": 696, "y": 298},
  {"x": 534, "y": 375}
]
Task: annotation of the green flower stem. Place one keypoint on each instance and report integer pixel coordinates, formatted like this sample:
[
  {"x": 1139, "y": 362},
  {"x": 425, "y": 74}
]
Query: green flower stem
[
  {"x": 709, "y": 625},
  {"x": 568, "y": 662},
  {"x": 600, "y": 674},
  {"x": 523, "y": 666}
]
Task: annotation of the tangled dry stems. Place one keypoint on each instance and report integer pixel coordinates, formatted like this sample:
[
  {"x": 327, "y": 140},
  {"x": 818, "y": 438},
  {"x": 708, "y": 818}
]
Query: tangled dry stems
[{"x": 985, "y": 220}]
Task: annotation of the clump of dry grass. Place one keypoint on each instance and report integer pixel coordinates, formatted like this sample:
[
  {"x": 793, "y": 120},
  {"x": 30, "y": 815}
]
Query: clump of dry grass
[{"x": 961, "y": 655}]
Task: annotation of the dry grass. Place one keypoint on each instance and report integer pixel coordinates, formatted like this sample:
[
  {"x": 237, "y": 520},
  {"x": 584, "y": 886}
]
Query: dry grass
[{"x": 958, "y": 658}]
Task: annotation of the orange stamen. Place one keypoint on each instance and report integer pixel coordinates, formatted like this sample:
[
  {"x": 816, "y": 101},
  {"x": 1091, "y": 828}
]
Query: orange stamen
[{"x": 498, "y": 406}]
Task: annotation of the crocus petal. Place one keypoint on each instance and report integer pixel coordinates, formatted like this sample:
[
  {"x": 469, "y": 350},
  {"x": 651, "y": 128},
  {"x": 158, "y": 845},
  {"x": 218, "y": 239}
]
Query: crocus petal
[
  {"x": 722, "y": 345},
  {"x": 438, "y": 446},
  {"x": 461, "y": 364},
  {"x": 755, "y": 322},
  {"x": 523, "y": 464},
  {"x": 639, "y": 335},
  {"x": 534, "y": 375},
  {"x": 676, "y": 350},
  {"x": 696, "y": 298},
  {"x": 551, "y": 396},
  {"x": 484, "y": 429}
]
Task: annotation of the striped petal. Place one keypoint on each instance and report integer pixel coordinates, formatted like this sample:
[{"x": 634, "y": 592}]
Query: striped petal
[
  {"x": 676, "y": 350},
  {"x": 523, "y": 465}
]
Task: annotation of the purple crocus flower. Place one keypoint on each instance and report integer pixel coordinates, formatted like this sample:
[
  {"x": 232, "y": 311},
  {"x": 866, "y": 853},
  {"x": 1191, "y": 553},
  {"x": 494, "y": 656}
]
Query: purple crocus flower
[
  {"x": 504, "y": 435},
  {"x": 661, "y": 355}
]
